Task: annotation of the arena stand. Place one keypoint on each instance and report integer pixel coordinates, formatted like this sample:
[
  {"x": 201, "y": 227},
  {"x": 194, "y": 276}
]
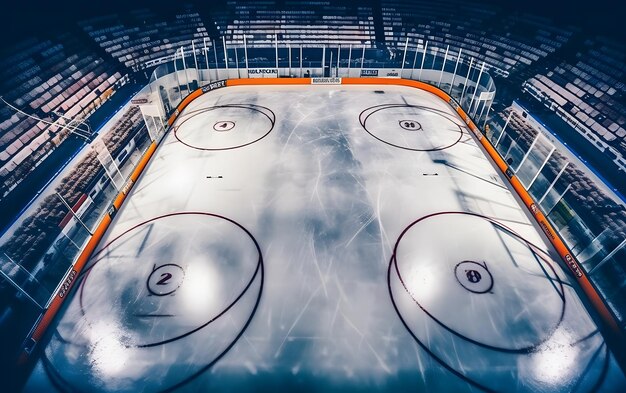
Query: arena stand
[
  {"x": 142, "y": 39},
  {"x": 592, "y": 223},
  {"x": 56, "y": 80},
  {"x": 589, "y": 93},
  {"x": 319, "y": 23},
  {"x": 37, "y": 251},
  {"x": 507, "y": 43},
  {"x": 72, "y": 75}
]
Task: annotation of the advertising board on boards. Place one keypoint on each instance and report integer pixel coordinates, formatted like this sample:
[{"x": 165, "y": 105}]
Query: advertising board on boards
[
  {"x": 262, "y": 73},
  {"x": 486, "y": 95},
  {"x": 392, "y": 73},
  {"x": 213, "y": 86},
  {"x": 138, "y": 101},
  {"x": 369, "y": 72},
  {"x": 380, "y": 72},
  {"x": 325, "y": 81}
]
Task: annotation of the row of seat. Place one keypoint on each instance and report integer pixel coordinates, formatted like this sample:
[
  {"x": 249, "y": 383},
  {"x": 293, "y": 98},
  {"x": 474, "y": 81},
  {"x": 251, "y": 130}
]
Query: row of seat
[
  {"x": 596, "y": 237},
  {"x": 66, "y": 78},
  {"x": 596, "y": 209},
  {"x": 127, "y": 125},
  {"x": 296, "y": 23},
  {"x": 590, "y": 90},
  {"x": 505, "y": 42},
  {"x": 143, "y": 36},
  {"x": 66, "y": 75},
  {"x": 56, "y": 80},
  {"x": 33, "y": 238}
]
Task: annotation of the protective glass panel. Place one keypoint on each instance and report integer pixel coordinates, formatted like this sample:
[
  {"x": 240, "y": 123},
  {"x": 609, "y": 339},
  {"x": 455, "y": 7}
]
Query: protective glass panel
[{"x": 535, "y": 160}]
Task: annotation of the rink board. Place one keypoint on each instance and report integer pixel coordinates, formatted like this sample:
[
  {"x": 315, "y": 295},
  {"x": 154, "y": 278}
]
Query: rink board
[{"x": 328, "y": 238}]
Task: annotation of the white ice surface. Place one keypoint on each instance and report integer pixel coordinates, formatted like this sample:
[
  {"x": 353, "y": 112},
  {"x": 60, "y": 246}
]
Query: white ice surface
[{"x": 326, "y": 202}]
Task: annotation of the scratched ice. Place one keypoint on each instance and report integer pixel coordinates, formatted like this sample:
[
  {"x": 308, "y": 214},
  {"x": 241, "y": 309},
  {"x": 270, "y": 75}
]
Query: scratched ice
[{"x": 292, "y": 270}]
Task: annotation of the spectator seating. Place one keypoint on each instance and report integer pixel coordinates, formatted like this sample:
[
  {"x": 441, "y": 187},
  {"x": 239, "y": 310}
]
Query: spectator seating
[
  {"x": 505, "y": 42},
  {"x": 33, "y": 238},
  {"x": 52, "y": 80},
  {"x": 141, "y": 38},
  {"x": 597, "y": 210},
  {"x": 65, "y": 76},
  {"x": 589, "y": 93},
  {"x": 310, "y": 24}
]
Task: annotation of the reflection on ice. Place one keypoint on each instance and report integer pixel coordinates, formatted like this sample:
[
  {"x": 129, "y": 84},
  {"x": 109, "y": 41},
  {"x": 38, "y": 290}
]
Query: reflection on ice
[
  {"x": 109, "y": 354},
  {"x": 423, "y": 281},
  {"x": 200, "y": 290},
  {"x": 180, "y": 180},
  {"x": 554, "y": 361}
]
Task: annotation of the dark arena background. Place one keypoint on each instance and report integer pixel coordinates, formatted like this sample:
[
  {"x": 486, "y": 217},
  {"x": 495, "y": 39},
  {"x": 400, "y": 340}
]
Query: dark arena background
[{"x": 325, "y": 196}]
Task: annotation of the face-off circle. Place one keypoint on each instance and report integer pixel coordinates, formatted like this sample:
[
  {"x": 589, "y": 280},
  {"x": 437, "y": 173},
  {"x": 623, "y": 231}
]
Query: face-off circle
[
  {"x": 427, "y": 271},
  {"x": 165, "y": 279},
  {"x": 252, "y": 123},
  {"x": 223, "y": 126},
  {"x": 473, "y": 276},
  {"x": 220, "y": 256},
  {"x": 134, "y": 305},
  {"x": 147, "y": 302},
  {"x": 423, "y": 279},
  {"x": 389, "y": 123}
]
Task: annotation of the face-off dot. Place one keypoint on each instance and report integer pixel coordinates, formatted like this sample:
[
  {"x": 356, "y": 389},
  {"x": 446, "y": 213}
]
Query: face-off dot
[
  {"x": 165, "y": 279},
  {"x": 223, "y": 126},
  {"x": 474, "y": 276},
  {"x": 410, "y": 125}
]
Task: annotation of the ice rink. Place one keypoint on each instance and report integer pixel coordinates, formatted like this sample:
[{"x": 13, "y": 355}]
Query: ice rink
[{"x": 323, "y": 238}]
